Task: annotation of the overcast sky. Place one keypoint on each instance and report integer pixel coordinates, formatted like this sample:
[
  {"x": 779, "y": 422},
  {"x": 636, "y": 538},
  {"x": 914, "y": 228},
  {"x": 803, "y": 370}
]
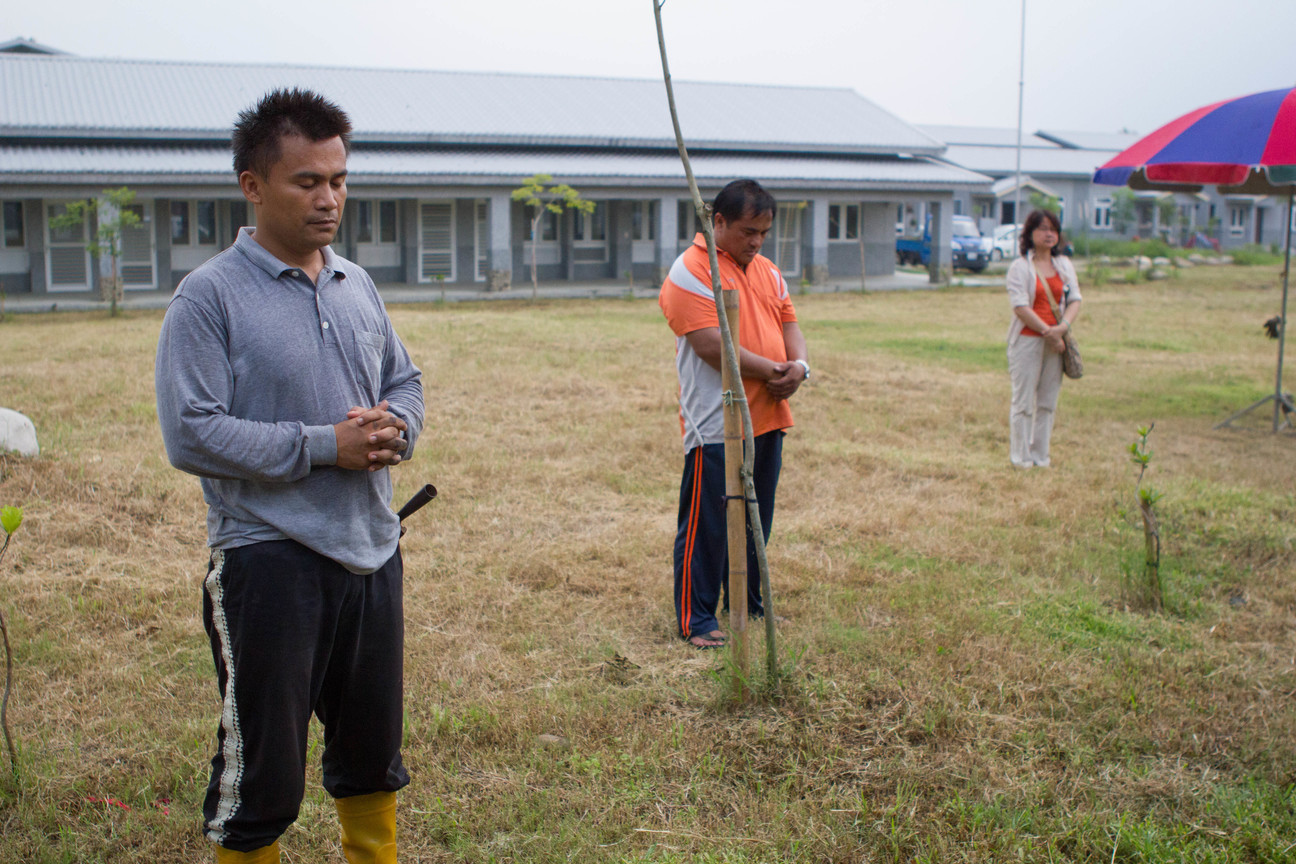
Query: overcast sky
[{"x": 1091, "y": 65}]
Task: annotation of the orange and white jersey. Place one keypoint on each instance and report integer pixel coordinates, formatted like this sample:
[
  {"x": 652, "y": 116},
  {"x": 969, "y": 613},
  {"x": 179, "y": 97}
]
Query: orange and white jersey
[{"x": 764, "y": 306}]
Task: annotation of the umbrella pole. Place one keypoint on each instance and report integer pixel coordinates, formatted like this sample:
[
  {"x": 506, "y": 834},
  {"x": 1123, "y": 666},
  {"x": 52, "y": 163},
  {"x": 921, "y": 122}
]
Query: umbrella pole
[{"x": 1279, "y": 398}]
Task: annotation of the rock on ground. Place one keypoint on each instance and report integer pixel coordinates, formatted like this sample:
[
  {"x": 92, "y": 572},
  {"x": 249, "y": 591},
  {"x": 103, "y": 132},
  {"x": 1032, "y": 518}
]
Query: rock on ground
[{"x": 17, "y": 433}]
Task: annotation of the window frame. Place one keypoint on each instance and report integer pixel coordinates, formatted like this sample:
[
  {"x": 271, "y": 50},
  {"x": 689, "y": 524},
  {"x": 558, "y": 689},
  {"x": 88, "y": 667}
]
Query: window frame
[
  {"x": 5, "y": 225},
  {"x": 687, "y": 226},
  {"x": 1237, "y": 220},
  {"x": 1102, "y": 214},
  {"x": 643, "y": 221},
  {"x": 590, "y": 232},
  {"x": 590, "y": 229},
  {"x": 193, "y": 220},
  {"x": 379, "y": 221},
  {"x": 839, "y": 222},
  {"x": 547, "y": 233}
]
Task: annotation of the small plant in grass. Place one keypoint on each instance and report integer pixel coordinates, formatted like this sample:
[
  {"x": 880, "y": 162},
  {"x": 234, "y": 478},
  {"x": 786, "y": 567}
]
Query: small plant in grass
[
  {"x": 10, "y": 519},
  {"x": 1147, "y": 590},
  {"x": 1096, "y": 273}
]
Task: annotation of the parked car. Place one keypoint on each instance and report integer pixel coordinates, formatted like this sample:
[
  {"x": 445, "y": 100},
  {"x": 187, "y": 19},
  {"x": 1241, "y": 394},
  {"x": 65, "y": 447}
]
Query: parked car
[
  {"x": 1005, "y": 245},
  {"x": 965, "y": 246},
  {"x": 1004, "y": 242}
]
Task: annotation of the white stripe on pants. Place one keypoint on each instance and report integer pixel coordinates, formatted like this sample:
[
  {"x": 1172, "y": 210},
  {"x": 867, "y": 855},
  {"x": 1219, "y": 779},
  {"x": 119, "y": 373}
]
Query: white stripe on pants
[{"x": 1036, "y": 374}]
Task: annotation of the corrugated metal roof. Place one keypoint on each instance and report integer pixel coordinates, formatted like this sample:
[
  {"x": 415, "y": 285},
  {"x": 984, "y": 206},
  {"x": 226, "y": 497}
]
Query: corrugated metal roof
[
  {"x": 987, "y": 136},
  {"x": 211, "y": 165},
  {"x": 1105, "y": 141},
  {"x": 23, "y": 45},
  {"x": 83, "y": 97},
  {"x": 1050, "y": 161},
  {"x": 993, "y": 150},
  {"x": 1004, "y": 185}
]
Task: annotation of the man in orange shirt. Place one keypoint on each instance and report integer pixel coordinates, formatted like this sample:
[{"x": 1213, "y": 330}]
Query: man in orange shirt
[{"x": 772, "y": 355}]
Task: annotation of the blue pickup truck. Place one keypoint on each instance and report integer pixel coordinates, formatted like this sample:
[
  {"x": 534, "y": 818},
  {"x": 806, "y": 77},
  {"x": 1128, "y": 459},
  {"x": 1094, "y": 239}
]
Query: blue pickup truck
[{"x": 966, "y": 245}]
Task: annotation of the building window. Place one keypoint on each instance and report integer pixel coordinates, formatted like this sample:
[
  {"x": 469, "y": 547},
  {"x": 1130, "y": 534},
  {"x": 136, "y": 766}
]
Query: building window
[
  {"x": 958, "y": 206},
  {"x": 643, "y": 220},
  {"x": 1237, "y": 220},
  {"x": 843, "y": 221},
  {"x": 376, "y": 222},
  {"x": 205, "y": 222},
  {"x": 985, "y": 210},
  {"x": 591, "y": 227},
  {"x": 193, "y": 223},
  {"x": 11, "y": 220},
  {"x": 688, "y": 224},
  {"x": 387, "y": 222},
  {"x": 547, "y": 230},
  {"x": 1102, "y": 214},
  {"x": 179, "y": 223},
  {"x": 589, "y": 234},
  {"x": 436, "y": 235}
]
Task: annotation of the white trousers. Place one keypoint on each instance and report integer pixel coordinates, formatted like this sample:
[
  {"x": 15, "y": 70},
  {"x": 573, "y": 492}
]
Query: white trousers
[{"x": 1036, "y": 374}]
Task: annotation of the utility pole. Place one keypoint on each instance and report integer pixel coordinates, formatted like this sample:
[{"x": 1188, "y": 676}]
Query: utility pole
[{"x": 1021, "y": 89}]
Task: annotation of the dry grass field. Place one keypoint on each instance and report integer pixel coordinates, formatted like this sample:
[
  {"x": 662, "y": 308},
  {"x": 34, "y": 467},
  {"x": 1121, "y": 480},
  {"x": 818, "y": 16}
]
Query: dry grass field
[{"x": 966, "y": 681}]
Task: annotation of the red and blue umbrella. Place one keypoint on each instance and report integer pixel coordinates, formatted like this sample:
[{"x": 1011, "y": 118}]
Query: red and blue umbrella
[
  {"x": 1244, "y": 145},
  {"x": 1248, "y": 141}
]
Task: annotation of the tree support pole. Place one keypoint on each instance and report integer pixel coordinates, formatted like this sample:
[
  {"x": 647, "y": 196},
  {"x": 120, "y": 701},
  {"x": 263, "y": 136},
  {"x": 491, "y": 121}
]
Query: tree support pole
[
  {"x": 735, "y": 521},
  {"x": 737, "y": 395}
]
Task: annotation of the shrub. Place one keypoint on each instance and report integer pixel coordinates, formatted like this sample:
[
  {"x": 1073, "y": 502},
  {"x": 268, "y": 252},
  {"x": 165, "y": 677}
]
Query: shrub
[
  {"x": 1118, "y": 248},
  {"x": 1252, "y": 255}
]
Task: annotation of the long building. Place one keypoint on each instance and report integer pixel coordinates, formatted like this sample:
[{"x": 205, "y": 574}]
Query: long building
[{"x": 435, "y": 158}]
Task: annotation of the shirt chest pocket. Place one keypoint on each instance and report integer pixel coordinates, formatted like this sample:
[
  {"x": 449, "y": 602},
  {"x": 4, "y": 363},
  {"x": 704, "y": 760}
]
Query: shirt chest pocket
[{"x": 369, "y": 350}]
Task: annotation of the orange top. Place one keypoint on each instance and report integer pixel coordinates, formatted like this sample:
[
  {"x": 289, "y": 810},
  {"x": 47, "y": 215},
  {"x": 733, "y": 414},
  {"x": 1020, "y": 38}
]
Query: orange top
[
  {"x": 764, "y": 307},
  {"x": 1041, "y": 305}
]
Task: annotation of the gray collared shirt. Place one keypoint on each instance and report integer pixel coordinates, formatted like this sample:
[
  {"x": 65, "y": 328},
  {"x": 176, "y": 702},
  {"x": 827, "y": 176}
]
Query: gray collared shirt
[{"x": 255, "y": 364}]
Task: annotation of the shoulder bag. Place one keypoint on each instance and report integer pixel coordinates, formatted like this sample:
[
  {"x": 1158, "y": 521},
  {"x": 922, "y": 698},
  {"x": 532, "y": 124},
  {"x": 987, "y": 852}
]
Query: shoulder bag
[{"x": 1072, "y": 365}]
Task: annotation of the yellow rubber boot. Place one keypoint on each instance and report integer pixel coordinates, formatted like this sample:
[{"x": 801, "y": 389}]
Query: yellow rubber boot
[
  {"x": 368, "y": 828},
  {"x": 264, "y": 855}
]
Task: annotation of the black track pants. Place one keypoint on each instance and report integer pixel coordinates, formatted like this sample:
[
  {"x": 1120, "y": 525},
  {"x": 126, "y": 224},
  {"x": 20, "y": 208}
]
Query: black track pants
[{"x": 293, "y": 633}]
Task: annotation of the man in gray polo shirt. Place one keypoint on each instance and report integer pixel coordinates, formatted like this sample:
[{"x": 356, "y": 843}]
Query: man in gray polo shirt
[{"x": 282, "y": 385}]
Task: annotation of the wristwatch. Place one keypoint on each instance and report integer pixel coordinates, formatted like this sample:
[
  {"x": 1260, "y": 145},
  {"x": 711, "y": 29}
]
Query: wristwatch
[{"x": 804, "y": 365}]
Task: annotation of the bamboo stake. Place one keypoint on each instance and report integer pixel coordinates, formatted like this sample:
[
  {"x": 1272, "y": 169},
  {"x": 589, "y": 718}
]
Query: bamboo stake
[
  {"x": 734, "y": 517},
  {"x": 8, "y": 684},
  {"x": 737, "y": 395}
]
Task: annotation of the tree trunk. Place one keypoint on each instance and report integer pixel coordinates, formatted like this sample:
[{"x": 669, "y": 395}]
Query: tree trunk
[{"x": 535, "y": 227}]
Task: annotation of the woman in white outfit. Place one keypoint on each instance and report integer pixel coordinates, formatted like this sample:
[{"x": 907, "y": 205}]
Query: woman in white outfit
[{"x": 1035, "y": 338}]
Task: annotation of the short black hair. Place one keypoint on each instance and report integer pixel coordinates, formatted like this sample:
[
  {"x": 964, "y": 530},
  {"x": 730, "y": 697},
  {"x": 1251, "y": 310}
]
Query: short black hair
[
  {"x": 284, "y": 112},
  {"x": 1033, "y": 221},
  {"x": 742, "y": 198}
]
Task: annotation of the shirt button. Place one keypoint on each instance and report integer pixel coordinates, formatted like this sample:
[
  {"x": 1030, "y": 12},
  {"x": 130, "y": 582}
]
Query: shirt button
[
  {"x": 295, "y": 274},
  {"x": 325, "y": 325}
]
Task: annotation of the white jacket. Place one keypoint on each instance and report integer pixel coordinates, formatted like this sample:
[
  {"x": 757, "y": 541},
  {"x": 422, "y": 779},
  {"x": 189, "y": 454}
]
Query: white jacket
[{"x": 1021, "y": 288}]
